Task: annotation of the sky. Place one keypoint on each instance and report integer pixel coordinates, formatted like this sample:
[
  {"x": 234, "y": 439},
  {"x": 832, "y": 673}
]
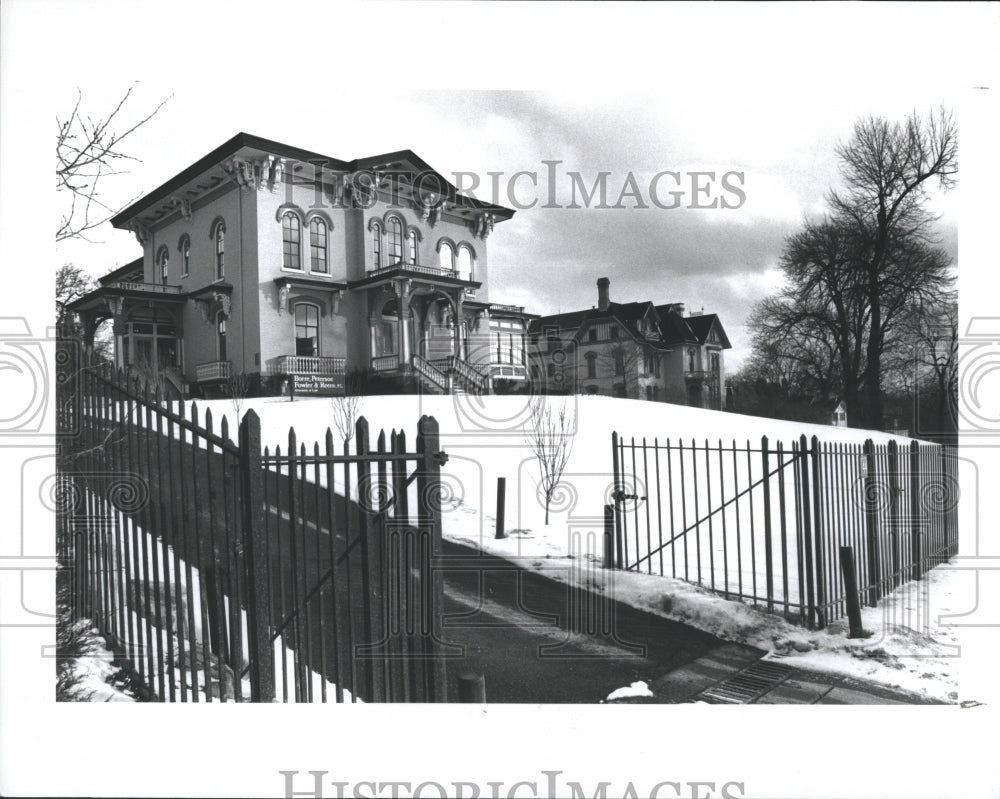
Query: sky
[
  {"x": 708, "y": 108},
  {"x": 763, "y": 89}
]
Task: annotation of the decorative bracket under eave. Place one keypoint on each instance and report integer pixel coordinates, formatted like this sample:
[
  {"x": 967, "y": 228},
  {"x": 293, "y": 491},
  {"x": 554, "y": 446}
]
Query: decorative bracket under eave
[{"x": 211, "y": 304}]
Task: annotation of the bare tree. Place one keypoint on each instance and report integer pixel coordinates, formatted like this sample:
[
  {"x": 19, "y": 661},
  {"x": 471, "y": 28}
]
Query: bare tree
[
  {"x": 237, "y": 387},
  {"x": 550, "y": 439},
  {"x": 347, "y": 408},
  {"x": 71, "y": 284},
  {"x": 87, "y": 150},
  {"x": 887, "y": 168}
]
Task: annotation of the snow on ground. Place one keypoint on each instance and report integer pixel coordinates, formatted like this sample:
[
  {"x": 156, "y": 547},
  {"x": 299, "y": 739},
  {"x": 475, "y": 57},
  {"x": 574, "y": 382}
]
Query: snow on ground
[
  {"x": 911, "y": 647},
  {"x": 94, "y": 671},
  {"x": 639, "y": 688}
]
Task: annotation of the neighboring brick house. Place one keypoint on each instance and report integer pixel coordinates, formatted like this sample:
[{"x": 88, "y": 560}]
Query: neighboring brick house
[
  {"x": 295, "y": 268},
  {"x": 637, "y": 350}
]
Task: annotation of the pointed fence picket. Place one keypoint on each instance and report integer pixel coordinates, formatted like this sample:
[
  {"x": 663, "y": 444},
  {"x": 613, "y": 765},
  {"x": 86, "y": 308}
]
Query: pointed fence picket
[{"x": 223, "y": 570}]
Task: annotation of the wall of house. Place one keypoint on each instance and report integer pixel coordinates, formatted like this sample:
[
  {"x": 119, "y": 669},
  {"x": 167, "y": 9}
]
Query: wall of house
[
  {"x": 277, "y": 324},
  {"x": 200, "y": 341}
]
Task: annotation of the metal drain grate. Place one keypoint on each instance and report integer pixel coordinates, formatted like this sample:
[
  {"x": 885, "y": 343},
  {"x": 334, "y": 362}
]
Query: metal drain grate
[{"x": 747, "y": 685}]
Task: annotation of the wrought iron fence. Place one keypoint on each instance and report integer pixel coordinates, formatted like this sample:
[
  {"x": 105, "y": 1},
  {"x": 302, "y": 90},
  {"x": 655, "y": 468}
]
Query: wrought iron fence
[
  {"x": 208, "y": 562},
  {"x": 764, "y": 524}
]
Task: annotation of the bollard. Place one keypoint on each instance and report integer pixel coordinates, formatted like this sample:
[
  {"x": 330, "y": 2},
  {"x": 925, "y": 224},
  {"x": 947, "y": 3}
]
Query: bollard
[
  {"x": 851, "y": 593},
  {"x": 501, "y": 498},
  {"x": 472, "y": 688}
]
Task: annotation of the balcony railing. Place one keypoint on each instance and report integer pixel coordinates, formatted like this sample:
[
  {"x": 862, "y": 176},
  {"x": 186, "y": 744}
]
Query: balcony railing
[
  {"x": 309, "y": 365},
  {"x": 437, "y": 271},
  {"x": 496, "y": 306},
  {"x": 213, "y": 370},
  {"x": 155, "y": 288}
]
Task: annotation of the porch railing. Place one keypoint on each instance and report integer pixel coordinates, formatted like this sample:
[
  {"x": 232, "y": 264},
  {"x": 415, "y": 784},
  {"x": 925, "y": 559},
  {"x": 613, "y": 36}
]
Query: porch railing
[
  {"x": 155, "y": 288},
  {"x": 310, "y": 365},
  {"x": 468, "y": 374},
  {"x": 425, "y": 369},
  {"x": 385, "y": 363},
  {"x": 213, "y": 370}
]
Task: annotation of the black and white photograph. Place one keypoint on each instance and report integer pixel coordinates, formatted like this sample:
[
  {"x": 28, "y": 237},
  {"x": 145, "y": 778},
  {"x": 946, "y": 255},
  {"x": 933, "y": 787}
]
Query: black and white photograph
[{"x": 499, "y": 399}]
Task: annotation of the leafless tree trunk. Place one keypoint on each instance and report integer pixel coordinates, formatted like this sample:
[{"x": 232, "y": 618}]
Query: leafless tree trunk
[
  {"x": 347, "y": 408},
  {"x": 887, "y": 168},
  {"x": 550, "y": 439},
  {"x": 237, "y": 386}
]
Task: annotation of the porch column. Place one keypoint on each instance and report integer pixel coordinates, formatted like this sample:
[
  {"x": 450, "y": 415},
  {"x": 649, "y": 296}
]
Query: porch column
[
  {"x": 121, "y": 342},
  {"x": 459, "y": 327},
  {"x": 403, "y": 332}
]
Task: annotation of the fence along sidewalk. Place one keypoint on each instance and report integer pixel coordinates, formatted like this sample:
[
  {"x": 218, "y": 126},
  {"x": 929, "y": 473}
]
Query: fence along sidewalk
[
  {"x": 209, "y": 563},
  {"x": 764, "y": 524}
]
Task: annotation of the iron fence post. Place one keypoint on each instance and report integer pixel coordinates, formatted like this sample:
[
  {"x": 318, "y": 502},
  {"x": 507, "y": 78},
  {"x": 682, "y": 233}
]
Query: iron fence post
[
  {"x": 616, "y": 488},
  {"x": 258, "y": 620},
  {"x": 851, "y": 592},
  {"x": 871, "y": 522},
  {"x": 915, "y": 548},
  {"x": 894, "y": 521},
  {"x": 769, "y": 574},
  {"x": 429, "y": 489},
  {"x": 609, "y": 536},
  {"x": 806, "y": 532}
]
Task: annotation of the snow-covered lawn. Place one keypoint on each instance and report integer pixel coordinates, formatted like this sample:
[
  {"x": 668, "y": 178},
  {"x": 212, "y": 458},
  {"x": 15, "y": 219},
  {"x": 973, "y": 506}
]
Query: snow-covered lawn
[{"x": 484, "y": 438}]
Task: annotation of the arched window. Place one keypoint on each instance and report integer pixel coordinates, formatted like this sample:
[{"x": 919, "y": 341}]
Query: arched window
[
  {"x": 164, "y": 264},
  {"x": 395, "y": 240},
  {"x": 220, "y": 329},
  {"x": 692, "y": 355},
  {"x": 220, "y": 251},
  {"x": 306, "y": 330},
  {"x": 591, "y": 365},
  {"x": 185, "y": 248},
  {"x": 317, "y": 245},
  {"x": 291, "y": 241},
  {"x": 377, "y": 245},
  {"x": 465, "y": 262},
  {"x": 411, "y": 239},
  {"x": 446, "y": 256}
]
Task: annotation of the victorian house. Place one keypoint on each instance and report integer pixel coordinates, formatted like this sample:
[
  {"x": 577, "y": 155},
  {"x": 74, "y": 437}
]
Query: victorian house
[
  {"x": 296, "y": 268},
  {"x": 637, "y": 350}
]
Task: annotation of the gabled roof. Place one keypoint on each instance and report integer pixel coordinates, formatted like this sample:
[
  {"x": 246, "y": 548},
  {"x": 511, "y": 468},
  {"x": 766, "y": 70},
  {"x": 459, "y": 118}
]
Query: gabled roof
[
  {"x": 674, "y": 329},
  {"x": 402, "y": 161},
  {"x": 702, "y": 326}
]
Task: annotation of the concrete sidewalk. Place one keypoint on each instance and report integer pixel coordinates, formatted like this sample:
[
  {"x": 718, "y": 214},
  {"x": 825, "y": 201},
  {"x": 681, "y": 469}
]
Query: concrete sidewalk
[
  {"x": 537, "y": 639},
  {"x": 735, "y": 674}
]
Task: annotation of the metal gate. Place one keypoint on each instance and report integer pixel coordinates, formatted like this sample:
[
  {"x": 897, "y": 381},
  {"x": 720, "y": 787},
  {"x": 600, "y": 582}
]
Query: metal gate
[{"x": 765, "y": 524}]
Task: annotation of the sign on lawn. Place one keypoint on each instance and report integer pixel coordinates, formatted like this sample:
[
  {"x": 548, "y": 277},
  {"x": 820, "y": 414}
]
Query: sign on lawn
[{"x": 321, "y": 385}]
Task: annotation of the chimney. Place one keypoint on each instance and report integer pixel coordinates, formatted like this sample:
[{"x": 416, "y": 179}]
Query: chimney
[{"x": 603, "y": 287}]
